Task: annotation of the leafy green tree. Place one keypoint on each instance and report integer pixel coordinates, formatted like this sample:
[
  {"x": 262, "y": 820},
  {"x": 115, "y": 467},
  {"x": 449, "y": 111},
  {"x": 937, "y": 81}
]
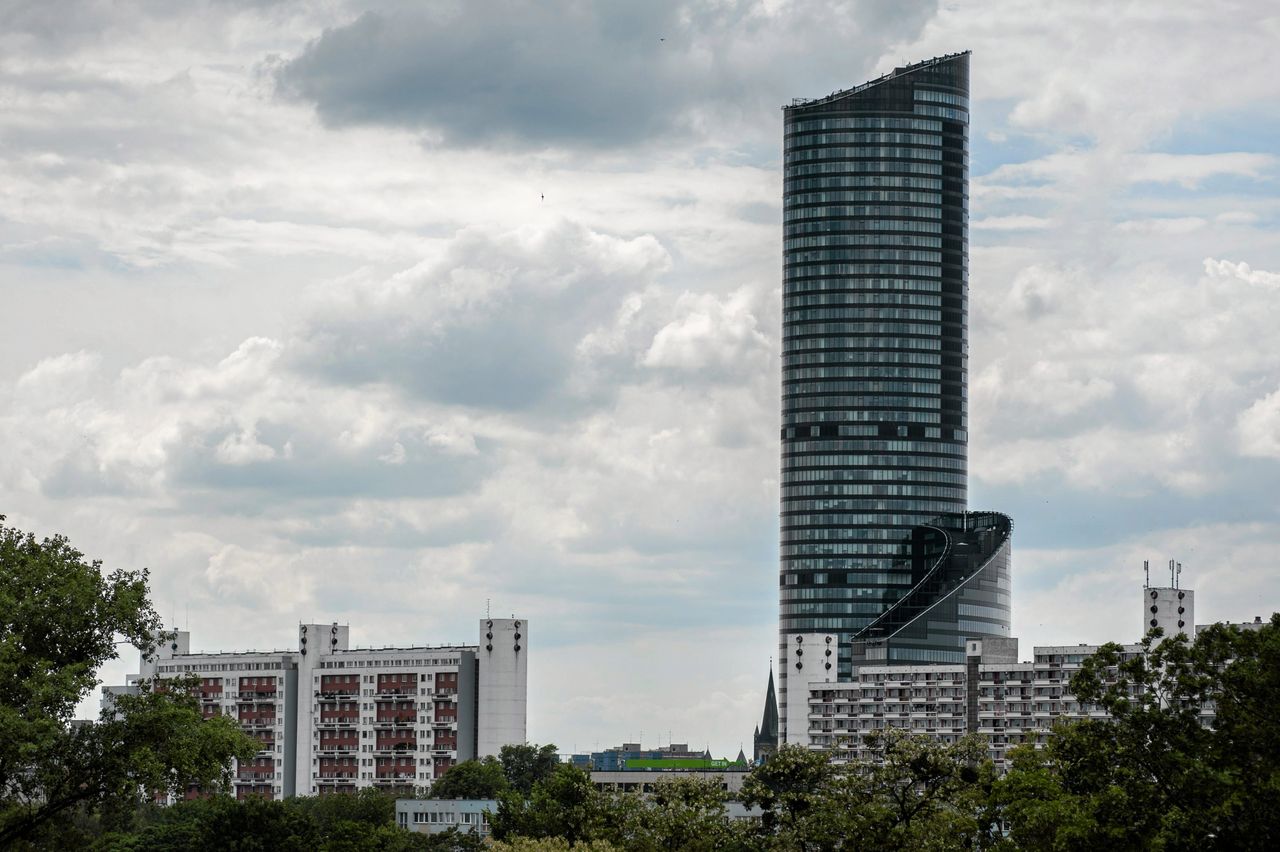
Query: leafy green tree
[
  {"x": 564, "y": 804},
  {"x": 551, "y": 844},
  {"x": 471, "y": 779},
  {"x": 914, "y": 794},
  {"x": 681, "y": 814},
  {"x": 358, "y": 837},
  {"x": 59, "y": 622},
  {"x": 255, "y": 824},
  {"x": 790, "y": 788},
  {"x": 918, "y": 794},
  {"x": 527, "y": 764},
  {"x": 1152, "y": 775}
]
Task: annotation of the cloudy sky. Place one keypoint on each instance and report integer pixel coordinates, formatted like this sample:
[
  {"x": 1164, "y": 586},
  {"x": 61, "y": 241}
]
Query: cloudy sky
[{"x": 377, "y": 312}]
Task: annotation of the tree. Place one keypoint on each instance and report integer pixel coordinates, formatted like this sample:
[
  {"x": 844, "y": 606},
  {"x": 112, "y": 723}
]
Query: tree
[
  {"x": 1152, "y": 775},
  {"x": 221, "y": 823},
  {"x": 790, "y": 788},
  {"x": 59, "y": 622},
  {"x": 471, "y": 779},
  {"x": 527, "y": 764},
  {"x": 564, "y": 804},
  {"x": 551, "y": 844},
  {"x": 335, "y": 817},
  {"x": 681, "y": 814},
  {"x": 916, "y": 793}
]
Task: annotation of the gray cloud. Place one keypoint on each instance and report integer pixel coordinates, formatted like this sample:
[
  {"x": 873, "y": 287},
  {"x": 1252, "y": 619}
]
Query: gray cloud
[
  {"x": 495, "y": 322},
  {"x": 596, "y": 75}
]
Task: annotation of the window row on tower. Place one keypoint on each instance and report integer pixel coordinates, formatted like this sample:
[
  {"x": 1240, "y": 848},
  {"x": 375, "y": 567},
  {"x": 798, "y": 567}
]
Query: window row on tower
[
  {"x": 873, "y": 311},
  {"x": 861, "y": 122},
  {"x": 808, "y": 139},
  {"x": 871, "y": 239},
  {"x": 827, "y": 269},
  {"x": 922, "y": 454},
  {"x": 845, "y": 152},
  {"x": 849, "y": 355},
  {"x": 835, "y": 592},
  {"x": 924, "y": 507},
  {"x": 867, "y": 489},
  {"x": 871, "y": 530},
  {"x": 872, "y": 167},
  {"x": 795, "y": 412},
  {"x": 869, "y": 471},
  {"x": 841, "y": 330},
  {"x": 846, "y": 285},
  {"x": 795, "y": 385},
  {"x": 857, "y": 211},
  {"x": 791, "y": 374},
  {"x": 861, "y": 195},
  {"x": 881, "y": 520}
]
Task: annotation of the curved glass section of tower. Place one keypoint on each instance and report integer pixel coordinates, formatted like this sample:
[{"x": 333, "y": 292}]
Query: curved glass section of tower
[
  {"x": 962, "y": 588},
  {"x": 874, "y": 340}
]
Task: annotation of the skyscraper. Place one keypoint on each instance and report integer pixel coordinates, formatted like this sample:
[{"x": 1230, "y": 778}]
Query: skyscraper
[{"x": 874, "y": 432}]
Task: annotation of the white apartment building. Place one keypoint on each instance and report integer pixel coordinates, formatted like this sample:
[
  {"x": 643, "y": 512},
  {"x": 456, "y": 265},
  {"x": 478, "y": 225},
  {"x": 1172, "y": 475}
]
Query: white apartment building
[
  {"x": 1009, "y": 703},
  {"x": 331, "y": 718},
  {"x": 992, "y": 694}
]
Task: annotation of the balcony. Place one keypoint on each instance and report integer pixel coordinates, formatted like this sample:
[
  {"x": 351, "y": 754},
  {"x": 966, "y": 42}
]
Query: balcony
[
  {"x": 347, "y": 774},
  {"x": 338, "y": 746},
  {"x": 337, "y": 720},
  {"x": 258, "y": 721},
  {"x": 407, "y": 717},
  {"x": 399, "y": 690},
  {"x": 332, "y": 788},
  {"x": 246, "y": 791},
  {"x": 331, "y": 688},
  {"x": 396, "y": 745},
  {"x": 400, "y": 773}
]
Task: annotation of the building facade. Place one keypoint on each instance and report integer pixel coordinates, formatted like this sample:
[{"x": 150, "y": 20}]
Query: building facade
[
  {"x": 991, "y": 693},
  {"x": 875, "y": 265},
  {"x": 630, "y": 757},
  {"x": 436, "y": 816},
  {"x": 332, "y": 719}
]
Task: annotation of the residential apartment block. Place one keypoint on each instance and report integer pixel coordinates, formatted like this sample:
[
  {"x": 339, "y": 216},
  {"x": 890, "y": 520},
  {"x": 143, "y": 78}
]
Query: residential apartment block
[
  {"x": 992, "y": 694},
  {"x": 331, "y": 718}
]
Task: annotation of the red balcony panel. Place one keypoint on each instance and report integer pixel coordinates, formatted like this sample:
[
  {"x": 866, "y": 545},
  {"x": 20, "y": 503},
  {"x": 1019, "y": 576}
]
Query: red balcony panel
[
  {"x": 339, "y": 743},
  {"x": 343, "y": 684},
  {"x": 333, "y": 788},
  {"x": 249, "y": 790},
  {"x": 400, "y": 742},
  {"x": 397, "y": 716}
]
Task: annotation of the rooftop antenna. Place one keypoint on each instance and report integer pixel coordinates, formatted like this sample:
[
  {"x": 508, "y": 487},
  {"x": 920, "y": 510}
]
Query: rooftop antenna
[
  {"x": 486, "y": 608},
  {"x": 1177, "y": 577},
  {"x": 1172, "y": 574},
  {"x": 1146, "y": 573}
]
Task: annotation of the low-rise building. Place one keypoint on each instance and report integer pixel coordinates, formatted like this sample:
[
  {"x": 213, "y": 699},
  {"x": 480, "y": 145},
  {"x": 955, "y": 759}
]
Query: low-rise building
[
  {"x": 644, "y": 781},
  {"x": 331, "y": 718},
  {"x": 435, "y": 816}
]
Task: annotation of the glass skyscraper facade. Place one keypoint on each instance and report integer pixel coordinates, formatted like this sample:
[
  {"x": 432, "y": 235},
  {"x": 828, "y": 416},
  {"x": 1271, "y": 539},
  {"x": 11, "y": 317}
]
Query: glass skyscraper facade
[{"x": 874, "y": 433}]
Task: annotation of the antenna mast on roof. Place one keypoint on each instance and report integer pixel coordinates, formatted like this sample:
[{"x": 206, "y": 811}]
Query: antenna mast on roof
[{"x": 1146, "y": 574}]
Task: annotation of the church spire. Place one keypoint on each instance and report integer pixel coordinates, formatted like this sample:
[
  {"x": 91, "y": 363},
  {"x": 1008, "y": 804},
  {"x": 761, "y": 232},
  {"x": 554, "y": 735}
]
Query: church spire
[{"x": 766, "y": 737}]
